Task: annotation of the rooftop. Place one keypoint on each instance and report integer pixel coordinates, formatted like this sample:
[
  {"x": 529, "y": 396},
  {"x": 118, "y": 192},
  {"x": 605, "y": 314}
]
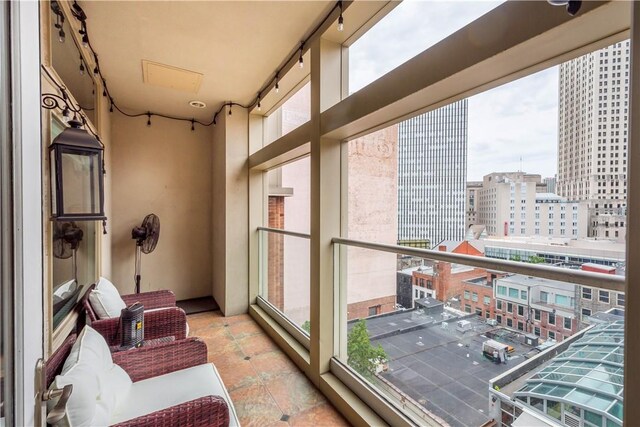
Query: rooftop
[
  {"x": 441, "y": 368},
  {"x": 520, "y": 279}
]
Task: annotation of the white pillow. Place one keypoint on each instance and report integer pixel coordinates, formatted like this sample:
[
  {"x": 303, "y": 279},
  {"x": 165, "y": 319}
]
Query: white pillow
[
  {"x": 90, "y": 348},
  {"x": 82, "y": 408},
  {"x": 105, "y": 300},
  {"x": 98, "y": 384},
  {"x": 115, "y": 385}
]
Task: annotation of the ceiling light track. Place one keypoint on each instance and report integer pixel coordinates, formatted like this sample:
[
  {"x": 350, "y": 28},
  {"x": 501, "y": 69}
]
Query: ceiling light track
[{"x": 81, "y": 16}]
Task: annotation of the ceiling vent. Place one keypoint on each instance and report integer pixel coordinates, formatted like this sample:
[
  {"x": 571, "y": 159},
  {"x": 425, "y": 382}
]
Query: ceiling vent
[{"x": 170, "y": 77}]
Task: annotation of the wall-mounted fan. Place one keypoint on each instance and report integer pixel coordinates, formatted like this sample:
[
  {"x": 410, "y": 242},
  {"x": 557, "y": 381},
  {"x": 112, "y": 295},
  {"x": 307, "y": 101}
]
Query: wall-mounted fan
[
  {"x": 66, "y": 239},
  {"x": 146, "y": 237}
]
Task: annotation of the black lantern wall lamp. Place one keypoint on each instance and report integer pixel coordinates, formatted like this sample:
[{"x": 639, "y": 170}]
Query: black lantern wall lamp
[{"x": 77, "y": 167}]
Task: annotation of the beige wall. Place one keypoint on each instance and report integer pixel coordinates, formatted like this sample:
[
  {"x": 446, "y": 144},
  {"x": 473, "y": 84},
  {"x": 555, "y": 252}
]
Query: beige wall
[
  {"x": 163, "y": 169},
  {"x": 230, "y": 216},
  {"x": 372, "y": 216}
]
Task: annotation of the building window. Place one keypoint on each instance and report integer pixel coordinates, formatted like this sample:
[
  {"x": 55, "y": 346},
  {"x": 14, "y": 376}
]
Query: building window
[
  {"x": 536, "y": 331},
  {"x": 499, "y": 304},
  {"x": 513, "y": 293},
  {"x": 520, "y": 326},
  {"x": 479, "y": 311},
  {"x": 586, "y": 293},
  {"x": 536, "y": 314},
  {"x": 467, "y": 308},
  {"x": 544, "y": 297},
  {"x": 603, "y": 296},
  {"x": 509, "y": 307},
  {"x": 466, "y": 295},
  {"x": 486, "y": 300},
  {"x": 502, "y": 290},
  {"x": 474, "y": 297},
  {"x": 552, "y": 335},
  {"x": 429, "y": 284},
  {"x": 552, "y": 318},
  {"x": 520, "y": 310},
  {"x": 499, "y": 319},
  {"x": 567, "y": 323},
  {"x": 523, "y": 295},
  {"x": 586, "y": 312},
  {"x": 510, "y": 323}
]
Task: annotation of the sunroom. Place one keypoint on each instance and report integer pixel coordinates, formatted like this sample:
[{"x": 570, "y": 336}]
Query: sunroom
[{"x": 230, "y": 155}]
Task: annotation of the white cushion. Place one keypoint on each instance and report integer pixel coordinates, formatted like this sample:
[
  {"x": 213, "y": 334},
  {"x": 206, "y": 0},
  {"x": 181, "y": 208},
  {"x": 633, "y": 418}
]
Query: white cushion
[
  {"x": 90, "y": 348},
  {"x": 83, "y": 407},
  {"x": 98, "y": 384},
  {"x": 165, "y": 391},
  {"x": 115, "y": 385},
  {"x": 105, "y": 300}
]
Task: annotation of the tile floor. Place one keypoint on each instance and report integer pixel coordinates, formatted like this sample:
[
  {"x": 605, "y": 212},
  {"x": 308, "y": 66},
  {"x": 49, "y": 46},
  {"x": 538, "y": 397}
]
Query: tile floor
[{"x": 266, "y": 387}]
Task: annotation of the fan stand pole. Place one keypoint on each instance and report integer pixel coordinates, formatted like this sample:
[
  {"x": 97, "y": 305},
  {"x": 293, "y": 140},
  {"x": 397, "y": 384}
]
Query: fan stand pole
[{"x": 138, "y": 256}]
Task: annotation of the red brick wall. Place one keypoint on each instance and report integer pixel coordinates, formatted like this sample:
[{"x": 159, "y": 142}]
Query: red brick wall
[
  {"x": 360, "y": 310},
  {"x": 275, "y": 268},
  {"x": 446, "y": 284},
  {"x": 481, "y": 291}
]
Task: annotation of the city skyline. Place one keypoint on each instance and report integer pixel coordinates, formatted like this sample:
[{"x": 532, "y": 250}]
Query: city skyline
[{"x": 506, "y": 124}]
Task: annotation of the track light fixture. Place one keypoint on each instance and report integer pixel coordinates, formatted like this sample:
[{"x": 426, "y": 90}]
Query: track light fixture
[
  {"x": 300, "y": 60},
  {"x": 79, "y": 14}
]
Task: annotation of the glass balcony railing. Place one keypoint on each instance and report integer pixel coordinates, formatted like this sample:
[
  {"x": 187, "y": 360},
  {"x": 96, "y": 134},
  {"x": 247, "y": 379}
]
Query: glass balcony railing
[
  {"x": 435, "y": 362},
  {"x": 284, "y": 278}
]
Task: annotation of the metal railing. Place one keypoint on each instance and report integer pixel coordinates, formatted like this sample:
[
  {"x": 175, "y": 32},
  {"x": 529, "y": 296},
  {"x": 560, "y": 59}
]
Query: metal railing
[
  {"x": 285, "y": 232},
  {"x": 578, "y": 277}
]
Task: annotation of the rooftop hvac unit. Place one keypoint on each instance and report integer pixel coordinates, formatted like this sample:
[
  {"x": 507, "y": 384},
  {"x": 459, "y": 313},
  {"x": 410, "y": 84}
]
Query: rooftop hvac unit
[{"x": 492, "y": 322}]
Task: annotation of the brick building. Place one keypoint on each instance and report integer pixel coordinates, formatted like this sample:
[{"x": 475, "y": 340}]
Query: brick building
[
  {"x": 477, "y": 295},
  {"x": 546, "y": 308},
  {"x": 444, "y": 280}
]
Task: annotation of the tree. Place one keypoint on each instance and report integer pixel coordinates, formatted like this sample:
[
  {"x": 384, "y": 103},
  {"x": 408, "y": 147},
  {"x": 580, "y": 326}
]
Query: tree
[
  {"x": 307, "y": 326},
  {"x": 362, "y": 356},
  {"x": 515, "y": 258},
  {"x": 535, "y": 259}
]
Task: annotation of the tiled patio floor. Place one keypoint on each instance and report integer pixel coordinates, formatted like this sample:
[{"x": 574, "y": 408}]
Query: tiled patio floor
[{"x": 266, "y": 387}]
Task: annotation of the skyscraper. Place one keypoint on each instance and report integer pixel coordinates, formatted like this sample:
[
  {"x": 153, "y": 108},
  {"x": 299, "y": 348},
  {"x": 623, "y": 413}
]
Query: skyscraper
[
  {"x": 592, "y": 136},
  {"x": 432, "y": 172}
]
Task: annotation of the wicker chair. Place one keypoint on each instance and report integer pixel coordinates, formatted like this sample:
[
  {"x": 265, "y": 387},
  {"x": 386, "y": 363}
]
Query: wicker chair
[
  {"x": 169, "y": 321},
  {"x": 147, "y": 362},
  {"x": 150, "y": 300}
]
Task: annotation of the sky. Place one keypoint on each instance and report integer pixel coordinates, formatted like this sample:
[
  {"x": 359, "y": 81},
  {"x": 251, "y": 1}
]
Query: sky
[{"x": 512, "y": 127}]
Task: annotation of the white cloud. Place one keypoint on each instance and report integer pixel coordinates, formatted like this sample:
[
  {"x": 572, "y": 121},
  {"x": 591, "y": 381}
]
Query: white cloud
[{"x": 512, "y": 121}]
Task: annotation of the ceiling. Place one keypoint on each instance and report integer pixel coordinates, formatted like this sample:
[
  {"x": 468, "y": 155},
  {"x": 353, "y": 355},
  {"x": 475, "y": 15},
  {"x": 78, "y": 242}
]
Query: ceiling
[{"x": 236, "y": 46}]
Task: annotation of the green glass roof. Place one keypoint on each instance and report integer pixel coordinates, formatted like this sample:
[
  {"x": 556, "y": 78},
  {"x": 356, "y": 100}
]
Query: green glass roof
[{"x": 588, "y": 374}]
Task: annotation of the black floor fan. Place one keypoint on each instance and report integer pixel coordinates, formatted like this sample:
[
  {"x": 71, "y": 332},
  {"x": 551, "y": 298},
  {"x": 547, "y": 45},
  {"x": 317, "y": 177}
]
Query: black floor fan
[
  {"x": 66, "y": 240},
  {"x": 146, "y": 237}
]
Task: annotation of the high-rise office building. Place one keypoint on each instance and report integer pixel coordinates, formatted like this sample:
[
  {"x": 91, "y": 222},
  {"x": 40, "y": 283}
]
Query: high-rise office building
[
  {"x": 592, "y": 136},
  {"x": 432, "y": 172}
]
